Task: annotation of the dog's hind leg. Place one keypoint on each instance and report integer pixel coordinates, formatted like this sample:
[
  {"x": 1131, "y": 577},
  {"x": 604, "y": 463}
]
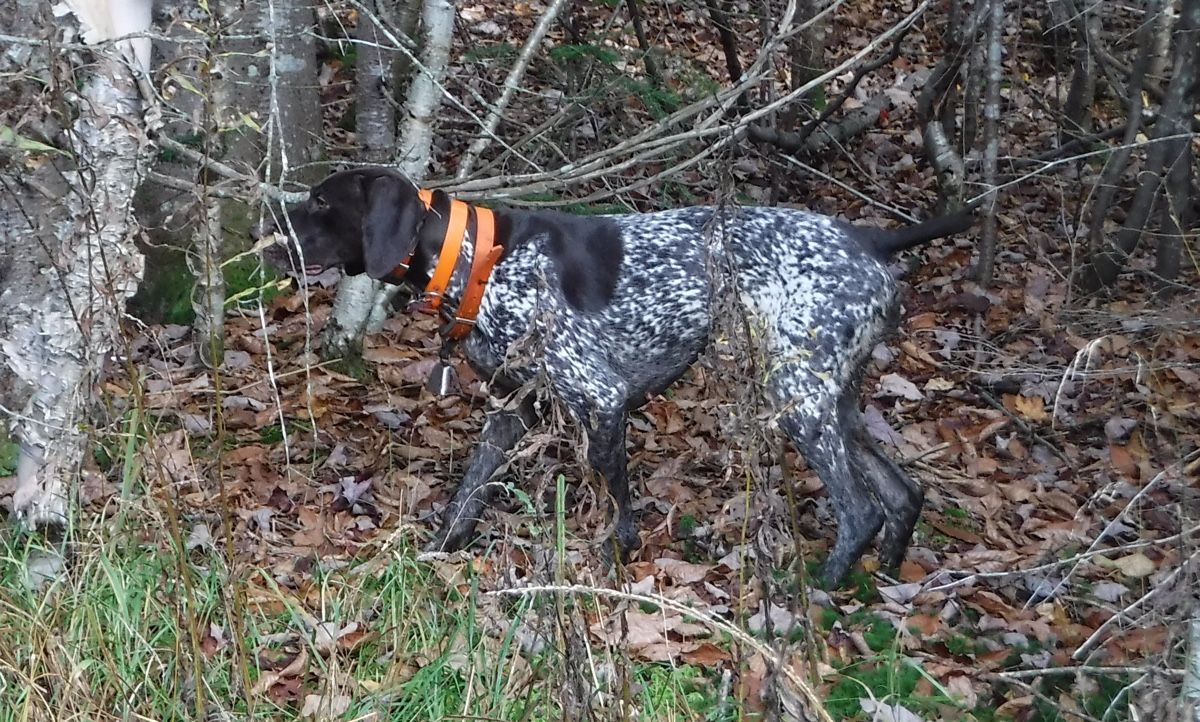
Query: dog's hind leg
[
  {"x": 606, "y": 454},
  {"x": 597, "y": 397},
  {"x": 501, "y": 433},
  {"x": 825, "y": 440},
  {"x": 901, "y": 496}
]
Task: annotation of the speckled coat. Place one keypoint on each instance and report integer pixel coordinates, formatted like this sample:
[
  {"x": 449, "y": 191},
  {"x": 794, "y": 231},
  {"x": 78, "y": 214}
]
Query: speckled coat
[{"x": 612, "y": 309}]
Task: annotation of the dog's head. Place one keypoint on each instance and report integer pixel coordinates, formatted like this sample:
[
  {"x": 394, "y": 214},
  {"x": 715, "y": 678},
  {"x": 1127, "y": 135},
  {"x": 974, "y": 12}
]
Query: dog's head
[{"x": 364, "y": 220}]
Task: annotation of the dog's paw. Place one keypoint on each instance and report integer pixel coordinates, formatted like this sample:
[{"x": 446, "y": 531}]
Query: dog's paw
[{"x": 451, "y": 538}]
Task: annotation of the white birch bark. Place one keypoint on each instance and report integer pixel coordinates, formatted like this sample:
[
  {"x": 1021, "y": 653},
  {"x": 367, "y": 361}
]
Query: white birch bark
[{"x": 60, "y": 326}]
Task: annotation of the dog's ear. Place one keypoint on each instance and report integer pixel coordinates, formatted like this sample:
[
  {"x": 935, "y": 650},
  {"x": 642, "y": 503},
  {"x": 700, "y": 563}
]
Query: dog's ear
[{"x": 390, "y": 223}]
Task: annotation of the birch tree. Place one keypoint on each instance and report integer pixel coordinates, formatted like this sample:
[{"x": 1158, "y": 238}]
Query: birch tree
[
  {"x": 362, "y": 303},
  {"x": 68, "y": 257}
]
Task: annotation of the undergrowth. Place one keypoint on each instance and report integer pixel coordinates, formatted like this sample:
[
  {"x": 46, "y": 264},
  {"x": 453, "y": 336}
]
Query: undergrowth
[{"x": 147, "y": 605}]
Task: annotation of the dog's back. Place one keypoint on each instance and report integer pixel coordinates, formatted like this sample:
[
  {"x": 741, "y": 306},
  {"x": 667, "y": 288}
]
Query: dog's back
[{"x": 814, "y": 287}]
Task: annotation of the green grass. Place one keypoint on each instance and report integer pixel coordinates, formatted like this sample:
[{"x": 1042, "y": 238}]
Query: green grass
[
  {"x": 271, "y": 434},
  {"x": 575, "y": 52},
  {"x": 8, "y": 456},
  {"x": 114, "y": 639},
  {"x": 136, "y": 618},
  {"x": 500, "y": 51},
  {"x": 107, "y": 633},
  {"x": 681, "y": 692},
  {"x": 881, "y": 679}
]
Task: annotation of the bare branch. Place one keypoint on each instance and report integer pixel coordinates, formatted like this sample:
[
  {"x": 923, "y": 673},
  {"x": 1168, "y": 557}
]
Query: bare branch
[{"x": 511, "y": 85}]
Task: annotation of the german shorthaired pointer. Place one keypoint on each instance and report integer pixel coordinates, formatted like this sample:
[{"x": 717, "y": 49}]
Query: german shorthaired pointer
[{"x": 617, "y": 307}]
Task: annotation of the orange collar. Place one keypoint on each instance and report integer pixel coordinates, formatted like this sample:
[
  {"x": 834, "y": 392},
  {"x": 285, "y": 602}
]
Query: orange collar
[
  {"x": 483, "y": 259},
  {"x": 487, "y": 252}
]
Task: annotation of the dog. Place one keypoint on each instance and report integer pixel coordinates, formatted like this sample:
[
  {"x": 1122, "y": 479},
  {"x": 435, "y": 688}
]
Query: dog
[{"x": 617, "y": 307}]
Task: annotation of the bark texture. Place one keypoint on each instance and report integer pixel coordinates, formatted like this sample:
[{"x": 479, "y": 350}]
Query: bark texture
[
  {"x": 68, "y": 259},
  {"x": 362, "y": 303},
  {"x": 1164, "y": 153}
]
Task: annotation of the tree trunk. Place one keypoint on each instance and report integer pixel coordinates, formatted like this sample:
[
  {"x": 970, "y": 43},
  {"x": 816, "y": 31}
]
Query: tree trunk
[
  {"x": 68, "y": 257},
  {"x": 259, "y": 114},
  {"x": 292, "y": 93},
  {"x": 375, "y": 122},
  {"x": 1174, "y": 120},
  {"x": 1082, "y": 94},
  {"x": 362, "y": 303},
  {"x": 991, "y": 141},
  {"x": 1119, "y": 160},
  {"x": 937, "y": 126},
  {"x": 267, "y": 104}
]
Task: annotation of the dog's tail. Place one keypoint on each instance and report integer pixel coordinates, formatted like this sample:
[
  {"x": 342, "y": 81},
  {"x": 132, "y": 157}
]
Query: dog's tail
[{"x": 886, "y": 243}]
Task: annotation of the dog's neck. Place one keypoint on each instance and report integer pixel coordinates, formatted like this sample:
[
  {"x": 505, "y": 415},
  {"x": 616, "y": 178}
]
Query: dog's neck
[{"x": 454, "y": 268}]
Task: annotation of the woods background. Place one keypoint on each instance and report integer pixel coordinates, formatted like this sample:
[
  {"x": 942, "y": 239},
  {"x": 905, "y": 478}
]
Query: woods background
[{"x": 216, "y": 490}]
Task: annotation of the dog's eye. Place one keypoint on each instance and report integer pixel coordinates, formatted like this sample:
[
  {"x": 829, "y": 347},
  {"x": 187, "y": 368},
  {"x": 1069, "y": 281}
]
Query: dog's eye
[{"x": 320, "y": 203}]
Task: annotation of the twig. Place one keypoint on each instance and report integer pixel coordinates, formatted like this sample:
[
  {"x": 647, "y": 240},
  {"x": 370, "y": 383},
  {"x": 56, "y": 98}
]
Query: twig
[
  {"x": 895, "y": 212},
  {"x": 729, "y": 44},
  {"x": 1085, "y": 669},
  {"x": 1160, "y": 587},
  {"x": 805, "y": 141},
  {"x": 1051, "y": 566},
  {"x": 229, "y": 172},
  {"x": 1106, "y": 151},
  {"x": 795, "y": 141},
  {"x": 635, "y": 16},
  {"x": 649, "y": 143},
  {"x": 510, "y": 89},
  {"x": 1025, "y": 426},
  {"x": 187, "y": 186},
  {"x": 732, "y": 630}
]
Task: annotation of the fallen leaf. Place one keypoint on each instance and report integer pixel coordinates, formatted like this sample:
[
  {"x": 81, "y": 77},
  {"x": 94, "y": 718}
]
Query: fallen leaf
[
  {"x": 1135, "y": 566},
  {"x": 1032, "y": 408},
  {"x": 706, "y": 655},
  {"x": 325, "y": 708},
  {"x": 682, "y": 573},
  {"x": 898, "y": 386}
]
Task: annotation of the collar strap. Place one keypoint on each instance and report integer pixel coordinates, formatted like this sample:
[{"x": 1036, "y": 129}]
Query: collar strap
[
  {"x": 426, "y": 198},
  {"x": 456, "y": 229},
  {"x": 486, "y": 253},
  {"x": 482, "y": 261}
]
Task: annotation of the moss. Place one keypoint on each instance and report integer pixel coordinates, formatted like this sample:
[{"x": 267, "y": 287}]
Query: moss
[{"x": 9, "y": 452}]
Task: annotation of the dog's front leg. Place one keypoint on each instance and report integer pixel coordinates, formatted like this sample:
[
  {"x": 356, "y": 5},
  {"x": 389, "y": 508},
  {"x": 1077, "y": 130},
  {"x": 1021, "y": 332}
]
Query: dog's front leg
[
  {"x": 606, "y": 454},
  {"x": 501, "y": 433}
]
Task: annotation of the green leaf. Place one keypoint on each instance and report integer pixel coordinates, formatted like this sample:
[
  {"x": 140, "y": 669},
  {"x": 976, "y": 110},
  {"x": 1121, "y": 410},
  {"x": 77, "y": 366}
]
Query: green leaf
[
  {"x": 185, "y": 83},
  {"x": 8, "y": 136},
  {"x": 250, "y": 122}
]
